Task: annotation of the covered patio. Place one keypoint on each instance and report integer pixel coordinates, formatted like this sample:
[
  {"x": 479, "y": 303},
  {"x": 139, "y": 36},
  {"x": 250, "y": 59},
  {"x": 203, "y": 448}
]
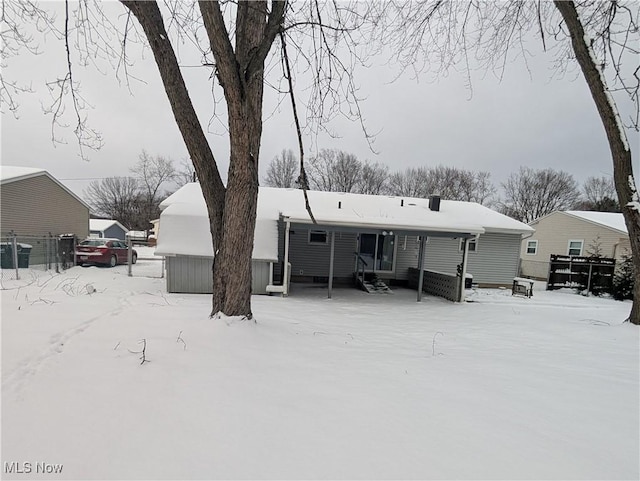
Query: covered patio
[{"x": 394, "y": 228}]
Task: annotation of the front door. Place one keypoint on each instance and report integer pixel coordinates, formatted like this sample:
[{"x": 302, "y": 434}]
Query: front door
[{"x": 377, "y": 251}]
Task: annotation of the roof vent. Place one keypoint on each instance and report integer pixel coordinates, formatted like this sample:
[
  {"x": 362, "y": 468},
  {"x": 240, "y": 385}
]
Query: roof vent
[{"x": 434, "y": 203}]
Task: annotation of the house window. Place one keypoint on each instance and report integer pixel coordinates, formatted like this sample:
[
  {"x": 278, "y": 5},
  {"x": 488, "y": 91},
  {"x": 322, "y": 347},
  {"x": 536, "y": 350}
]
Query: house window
[
  {"x": 575, "y": 248},
  {"x": 318, "y": 237},
  {"x": 532, "y": 247},
  {"x": 473, "y": 245}
]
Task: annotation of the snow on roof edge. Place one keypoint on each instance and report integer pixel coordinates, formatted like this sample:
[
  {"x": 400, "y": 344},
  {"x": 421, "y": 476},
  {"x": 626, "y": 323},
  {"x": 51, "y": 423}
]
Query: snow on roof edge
[
  {"x": 29, "y": 172},
  {"x": 606, "y": 219}
]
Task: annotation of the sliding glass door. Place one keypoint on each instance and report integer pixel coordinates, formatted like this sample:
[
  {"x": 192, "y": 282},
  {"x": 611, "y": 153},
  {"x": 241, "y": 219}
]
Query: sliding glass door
[{"x": 377, "y": 251}]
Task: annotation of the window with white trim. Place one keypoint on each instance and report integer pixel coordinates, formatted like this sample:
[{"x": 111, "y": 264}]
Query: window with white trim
[
  {"x": 473, "y": 244},
  {"x": 575, "y": 247},
  {"x": 318, "y": 237},
  {"x": 532, "y": 247}
]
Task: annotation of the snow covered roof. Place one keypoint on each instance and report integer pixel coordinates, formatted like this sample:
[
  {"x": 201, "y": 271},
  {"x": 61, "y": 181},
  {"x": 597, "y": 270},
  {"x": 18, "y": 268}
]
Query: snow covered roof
[
  {"x": 10, "y": 173},
  {"x": 185, "y": 212},
  {"x": 391, "y": 212},
  {"x": 103, "y": 224},
  {"x": 612, "y": 220}
]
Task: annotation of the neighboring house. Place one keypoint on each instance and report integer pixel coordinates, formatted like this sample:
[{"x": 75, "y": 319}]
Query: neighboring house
[
  {"x": 573, "y": 233},
  {"x": 107, "y": 228},
  {"x": 385, "y": 232},
  {"x": 34, "y": 203}
]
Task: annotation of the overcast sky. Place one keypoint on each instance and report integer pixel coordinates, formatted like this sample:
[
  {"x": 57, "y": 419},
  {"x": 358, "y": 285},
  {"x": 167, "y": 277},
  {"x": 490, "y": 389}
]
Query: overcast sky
[{"x": 529, "y": 118}]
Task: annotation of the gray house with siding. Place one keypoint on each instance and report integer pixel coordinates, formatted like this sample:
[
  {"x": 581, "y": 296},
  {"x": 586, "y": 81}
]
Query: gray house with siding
[
  {"x": 107, "y": 229},
  {"x": 34, "y": 203},
  {"x": 354, "y": 237}
]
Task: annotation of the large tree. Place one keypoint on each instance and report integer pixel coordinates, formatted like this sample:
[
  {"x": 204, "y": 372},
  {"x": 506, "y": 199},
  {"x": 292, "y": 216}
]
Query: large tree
[
  {"x": 625, "y": 182},
  {"x": 282, "y": 171},
  {"x": 240, "y": 71},
  {"x": 601, "y": 36},
  {"x": 530, "y": 194},
  {"x": 116, "y": 198},
  {"x": 238, "y": 39},
  {"x": 599, "y": 194},
  {"x": 152, "y": 173}
]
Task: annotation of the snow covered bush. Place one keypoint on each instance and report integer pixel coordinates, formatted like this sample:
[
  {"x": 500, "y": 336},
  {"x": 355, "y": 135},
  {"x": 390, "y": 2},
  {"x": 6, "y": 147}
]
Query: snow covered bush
[{"x": 623, "y": 279}]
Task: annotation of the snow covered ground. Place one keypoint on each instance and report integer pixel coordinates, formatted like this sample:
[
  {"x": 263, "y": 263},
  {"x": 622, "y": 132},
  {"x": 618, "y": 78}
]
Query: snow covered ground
[{"x": 360, "y": 386}]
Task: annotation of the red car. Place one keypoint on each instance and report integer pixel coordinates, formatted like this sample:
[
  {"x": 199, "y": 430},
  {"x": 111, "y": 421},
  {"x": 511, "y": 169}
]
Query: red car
[{"x": 109, "y": 252}]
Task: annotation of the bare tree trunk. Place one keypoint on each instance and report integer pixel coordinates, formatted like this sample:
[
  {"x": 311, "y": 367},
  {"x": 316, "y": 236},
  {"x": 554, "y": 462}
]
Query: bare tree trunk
[
  {"x": 149, "y": 16},
  {"x": 240, "y": 71},
  {"x": 618, "y": 144},
  {"x": 241, "y": 74}
]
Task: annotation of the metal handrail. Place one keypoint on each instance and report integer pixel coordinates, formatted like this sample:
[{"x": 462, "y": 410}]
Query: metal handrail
[{"x": 360, "y": 262}]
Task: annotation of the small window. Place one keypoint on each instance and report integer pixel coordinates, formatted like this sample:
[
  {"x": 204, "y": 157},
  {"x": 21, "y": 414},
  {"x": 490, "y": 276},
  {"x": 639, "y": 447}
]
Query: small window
[
  {"x": 318, "y": 237},
  {"x": 575, "y": 248},
  {"x": 473, "y": 244},
  {"x": 532, "y": 247}
]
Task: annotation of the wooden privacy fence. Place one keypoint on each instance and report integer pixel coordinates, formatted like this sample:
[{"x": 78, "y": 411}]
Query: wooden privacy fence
[{"x": 593, "y": 274}]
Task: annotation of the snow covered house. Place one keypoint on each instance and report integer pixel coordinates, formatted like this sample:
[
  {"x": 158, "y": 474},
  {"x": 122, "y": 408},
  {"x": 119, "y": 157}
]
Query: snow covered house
[
  {"x": 354, "y": 235},
  {"x": 573, "y": 233},
  {"x": 107, "y": 228},
  {"x": 34, "y": 203}
]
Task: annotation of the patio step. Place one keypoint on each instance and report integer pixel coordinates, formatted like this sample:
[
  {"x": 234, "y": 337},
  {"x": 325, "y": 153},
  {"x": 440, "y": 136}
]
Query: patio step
[{"x": 374, "y": 287}]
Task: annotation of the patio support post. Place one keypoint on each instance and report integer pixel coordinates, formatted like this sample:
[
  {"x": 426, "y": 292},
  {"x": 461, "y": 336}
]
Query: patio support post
[
  {"x": 129, "y": 255},
  {"x": 421, "y": 267},
  {"x": 333, "y": 243},
  {"x": 14, "y": 252},
  {"x": 270, "y": 273},
  {"x": 285, "y": 281},
  {"x": 463, "y": 273}
]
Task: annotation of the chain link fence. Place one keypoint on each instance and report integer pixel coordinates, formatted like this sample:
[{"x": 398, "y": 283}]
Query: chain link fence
[
  {"x": 56, "y": 253},
  {"x": 43, "y": 253},
  {"x": 147, "y": 264}
]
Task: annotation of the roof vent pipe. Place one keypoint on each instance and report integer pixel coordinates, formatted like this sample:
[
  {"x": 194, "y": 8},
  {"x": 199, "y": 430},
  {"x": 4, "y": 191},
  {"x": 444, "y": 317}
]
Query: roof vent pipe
[
  {"x": 339, "y": 205},
  {"x": 401, "y": 202},
  {"x": 434, "y": 203}
]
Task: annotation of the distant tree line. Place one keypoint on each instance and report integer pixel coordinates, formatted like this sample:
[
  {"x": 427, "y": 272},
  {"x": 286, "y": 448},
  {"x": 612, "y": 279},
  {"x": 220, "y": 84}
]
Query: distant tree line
[
  {"x": 134, "y": 200},
  {"x": 526, "y": 195}
]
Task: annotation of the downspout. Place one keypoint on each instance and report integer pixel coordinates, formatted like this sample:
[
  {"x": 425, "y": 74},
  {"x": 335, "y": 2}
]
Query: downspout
[
  {"x": 463, "y": 274},
  {"x": 421, "y": 266},
  {"x": 333, "y": 243},
  {"x": 285, "y": 281}
]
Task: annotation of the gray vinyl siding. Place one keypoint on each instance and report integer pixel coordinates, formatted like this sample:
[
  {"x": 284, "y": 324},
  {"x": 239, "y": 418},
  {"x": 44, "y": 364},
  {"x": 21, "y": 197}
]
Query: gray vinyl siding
[
  {"x": 115, "y": 232},
  {"x": 406, "y": 256},
  {"x": 37, "y": 206},
  {"x": 495, "y": 261},
  {"x": 192, "y": 275},
  {"x": 313, "y": 259}
]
